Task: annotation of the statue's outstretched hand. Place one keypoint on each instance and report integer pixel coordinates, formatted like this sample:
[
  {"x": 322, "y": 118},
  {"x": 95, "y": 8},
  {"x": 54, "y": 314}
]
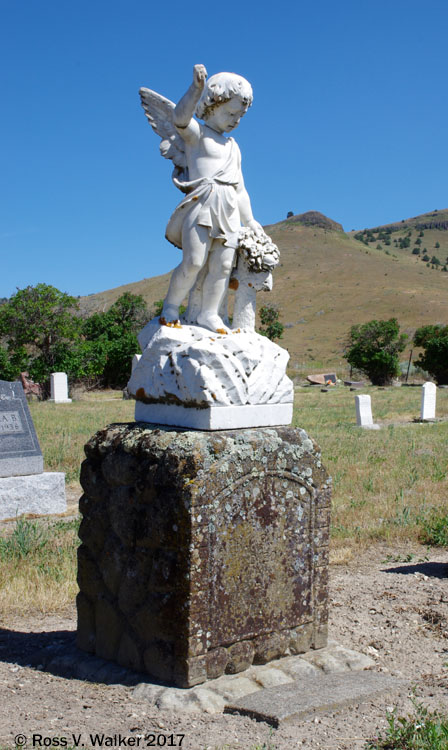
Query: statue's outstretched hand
[{"x": 199, "y": 76}]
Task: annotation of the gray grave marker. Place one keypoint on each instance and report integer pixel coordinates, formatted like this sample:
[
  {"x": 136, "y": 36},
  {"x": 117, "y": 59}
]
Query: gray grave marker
[
  {"x": 20, "y": 453},
  {"x": 24, "y": 486}
]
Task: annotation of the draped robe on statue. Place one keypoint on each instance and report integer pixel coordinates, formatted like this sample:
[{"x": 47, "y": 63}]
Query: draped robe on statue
[{"x": 211, "y": 202}]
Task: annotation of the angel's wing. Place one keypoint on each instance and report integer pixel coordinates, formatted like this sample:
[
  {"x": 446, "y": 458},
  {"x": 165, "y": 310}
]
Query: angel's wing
[{"x": 159, "y": 112}]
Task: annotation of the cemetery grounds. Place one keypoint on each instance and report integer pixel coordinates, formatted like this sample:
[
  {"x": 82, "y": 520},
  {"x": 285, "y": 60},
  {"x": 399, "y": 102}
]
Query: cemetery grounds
[{"x": 388, "y": 580}]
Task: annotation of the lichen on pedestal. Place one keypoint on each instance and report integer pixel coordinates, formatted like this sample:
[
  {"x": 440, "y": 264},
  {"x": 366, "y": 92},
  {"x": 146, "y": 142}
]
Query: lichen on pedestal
[{"x": 202, "y": 553}]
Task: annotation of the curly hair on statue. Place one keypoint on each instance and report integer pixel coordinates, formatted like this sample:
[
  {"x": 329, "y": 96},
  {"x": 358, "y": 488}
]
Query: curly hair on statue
[{"x": 221, "y": 88}]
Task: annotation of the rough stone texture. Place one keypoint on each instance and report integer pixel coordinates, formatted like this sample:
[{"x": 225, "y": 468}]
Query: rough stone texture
[
  {"x": 279, "y": 705},
  {"x": 64, "y": 659},
  {"x": 42, "y": 494},
  {"x": 20, "y": 453},
  {"x": 202, "y": 553}
]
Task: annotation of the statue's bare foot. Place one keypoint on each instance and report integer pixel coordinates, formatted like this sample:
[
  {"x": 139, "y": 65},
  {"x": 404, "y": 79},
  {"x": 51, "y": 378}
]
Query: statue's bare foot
[
  {"x": 212, "y": 322},
  {"x": 170, "y": 314}
]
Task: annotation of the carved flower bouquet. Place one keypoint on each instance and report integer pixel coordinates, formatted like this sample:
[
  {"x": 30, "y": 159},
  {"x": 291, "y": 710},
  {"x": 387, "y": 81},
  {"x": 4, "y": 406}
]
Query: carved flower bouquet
[{"x": 258, "y": 251}]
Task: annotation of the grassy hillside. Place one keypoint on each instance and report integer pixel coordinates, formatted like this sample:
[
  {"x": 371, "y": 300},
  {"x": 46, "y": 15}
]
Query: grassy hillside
[{"x": 328, "y": 279}]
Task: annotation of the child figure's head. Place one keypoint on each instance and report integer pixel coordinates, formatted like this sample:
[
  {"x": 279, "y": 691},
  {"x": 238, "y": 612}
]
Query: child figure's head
[{"x": 220, "y": 89}]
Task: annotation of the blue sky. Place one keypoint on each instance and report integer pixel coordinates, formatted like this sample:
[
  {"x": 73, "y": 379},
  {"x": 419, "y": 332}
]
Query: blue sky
[{"x": 349, "y": 118}]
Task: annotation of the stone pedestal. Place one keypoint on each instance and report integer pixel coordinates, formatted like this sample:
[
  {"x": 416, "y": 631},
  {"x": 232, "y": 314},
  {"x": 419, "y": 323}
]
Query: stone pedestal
[{"x": 202, "y": 553}]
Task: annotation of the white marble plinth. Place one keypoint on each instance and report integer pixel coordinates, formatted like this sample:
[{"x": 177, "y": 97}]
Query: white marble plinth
[
  {"x": 215, "y": 417},
  {"x": 41, "y": 494}
]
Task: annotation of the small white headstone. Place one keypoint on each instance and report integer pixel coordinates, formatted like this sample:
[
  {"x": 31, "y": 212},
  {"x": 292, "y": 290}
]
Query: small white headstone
[
  {"x": 428, "y": 407},
  {"x": 59, "y": 388},
  {"x": 135, "y": 360},
  {"x": 364, "y": 413}
]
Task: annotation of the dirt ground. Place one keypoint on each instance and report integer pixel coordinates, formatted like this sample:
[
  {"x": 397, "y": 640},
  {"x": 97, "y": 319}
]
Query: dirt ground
[{"x": 397, "y": 612}]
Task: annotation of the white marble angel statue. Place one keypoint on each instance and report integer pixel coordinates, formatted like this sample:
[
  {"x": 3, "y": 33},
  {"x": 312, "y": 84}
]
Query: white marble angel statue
[{"x": 207, "y": 222}]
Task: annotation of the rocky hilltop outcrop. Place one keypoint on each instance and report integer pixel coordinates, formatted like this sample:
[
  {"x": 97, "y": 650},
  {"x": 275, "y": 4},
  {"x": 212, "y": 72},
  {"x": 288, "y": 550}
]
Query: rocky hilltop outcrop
[{"x": 315, "y": 218}]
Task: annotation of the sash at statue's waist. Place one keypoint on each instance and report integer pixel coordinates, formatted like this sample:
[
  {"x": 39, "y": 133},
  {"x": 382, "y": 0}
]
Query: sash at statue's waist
[{"x": 201, "y": 184}]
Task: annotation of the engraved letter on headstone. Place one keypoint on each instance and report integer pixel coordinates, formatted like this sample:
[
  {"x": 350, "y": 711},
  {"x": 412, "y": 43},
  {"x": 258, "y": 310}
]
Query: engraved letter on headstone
[
  {"x": 428, "y": 405},
  {"x": 10, "y": 423}
]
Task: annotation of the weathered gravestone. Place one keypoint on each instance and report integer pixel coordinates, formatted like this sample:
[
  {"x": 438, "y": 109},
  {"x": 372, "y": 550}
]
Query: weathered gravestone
[
  {"x": 428, "y": 403},
  {"x": 24, "y": 486},
  {"x": 202, "y": 552}
]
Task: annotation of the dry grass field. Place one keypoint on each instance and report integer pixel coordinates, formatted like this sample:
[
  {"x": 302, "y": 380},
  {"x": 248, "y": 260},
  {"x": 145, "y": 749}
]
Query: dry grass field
[{"x": 387, "y": 484}]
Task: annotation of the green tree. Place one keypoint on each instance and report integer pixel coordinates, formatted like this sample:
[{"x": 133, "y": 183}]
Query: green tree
[
  {"x": 434, "y": 341},
  {"x": 437, "y": 245},
  {"x": 34, "y": 323},
  {"x": 112, "y": 339},
  {"x": 373, "y": 348},
  {"x": 270, "y": 322},
  {"x": 10, "y": 365}
]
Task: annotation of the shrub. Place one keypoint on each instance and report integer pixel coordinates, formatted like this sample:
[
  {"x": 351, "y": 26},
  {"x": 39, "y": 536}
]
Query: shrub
[
  {"x": 435, "y": 529},
  {"x": 373, "y": 348},
  {"x": 426, "y": 730},
  {"x": 434, "y": 340},
  {"x": 270, "y": 323}
]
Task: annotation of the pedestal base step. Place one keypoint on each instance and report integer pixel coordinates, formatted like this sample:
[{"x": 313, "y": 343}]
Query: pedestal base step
[
  {"x": 42, "y": 494},
  {"x": 215, "y": 417},
  {"x": 280, "y": 705},
  {"x": 273, "y": 692}
]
